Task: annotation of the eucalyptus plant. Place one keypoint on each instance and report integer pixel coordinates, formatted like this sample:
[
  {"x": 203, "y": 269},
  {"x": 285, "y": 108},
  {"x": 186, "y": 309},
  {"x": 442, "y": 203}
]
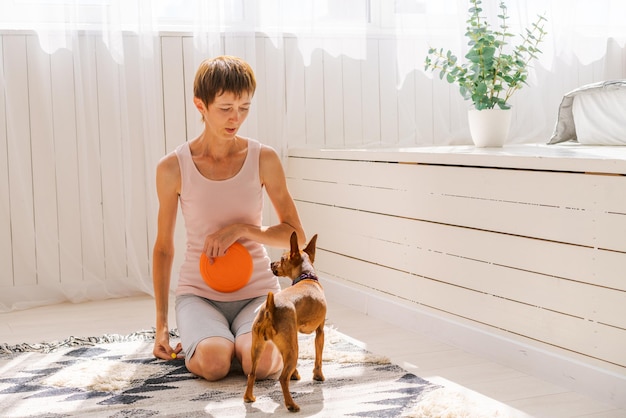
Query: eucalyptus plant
[{"x": 491, "y": 73}]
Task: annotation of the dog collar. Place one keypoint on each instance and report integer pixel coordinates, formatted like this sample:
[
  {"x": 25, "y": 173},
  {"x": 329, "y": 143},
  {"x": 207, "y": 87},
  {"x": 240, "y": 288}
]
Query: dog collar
[{"x": 305, "y": 276}]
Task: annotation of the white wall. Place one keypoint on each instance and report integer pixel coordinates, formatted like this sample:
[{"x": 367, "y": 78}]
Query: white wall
[
  {"x": 516, "y": 253},
  {"x": 80, "y": 135}
]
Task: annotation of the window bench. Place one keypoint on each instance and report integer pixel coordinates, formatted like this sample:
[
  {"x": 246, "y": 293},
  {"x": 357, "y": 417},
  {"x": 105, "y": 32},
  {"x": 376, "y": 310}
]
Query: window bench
[{"x": 516, "y": 253}]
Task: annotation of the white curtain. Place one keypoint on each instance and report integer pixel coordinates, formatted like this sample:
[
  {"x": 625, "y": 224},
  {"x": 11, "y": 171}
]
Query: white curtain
[{"x": 88, "y": 105}]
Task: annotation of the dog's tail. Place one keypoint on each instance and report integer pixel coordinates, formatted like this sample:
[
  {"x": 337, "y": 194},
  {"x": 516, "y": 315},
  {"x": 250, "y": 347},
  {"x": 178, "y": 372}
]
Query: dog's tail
[
  {"x": 269, "y": 303},
  {"x": 268, "y": 318}
]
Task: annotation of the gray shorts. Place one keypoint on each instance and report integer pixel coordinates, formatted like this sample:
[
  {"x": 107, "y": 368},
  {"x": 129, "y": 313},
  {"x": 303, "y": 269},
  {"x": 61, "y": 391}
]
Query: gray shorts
[{"x": 198, "y": 318}]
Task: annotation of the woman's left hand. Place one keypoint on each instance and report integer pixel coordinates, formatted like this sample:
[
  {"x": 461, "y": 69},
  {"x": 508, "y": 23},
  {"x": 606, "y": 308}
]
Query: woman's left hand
[{"x": 216, "y": 244}]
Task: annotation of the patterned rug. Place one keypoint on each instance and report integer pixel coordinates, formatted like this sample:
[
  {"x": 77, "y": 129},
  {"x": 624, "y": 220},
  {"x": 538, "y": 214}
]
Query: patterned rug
[{"x": 117, "y": 376}]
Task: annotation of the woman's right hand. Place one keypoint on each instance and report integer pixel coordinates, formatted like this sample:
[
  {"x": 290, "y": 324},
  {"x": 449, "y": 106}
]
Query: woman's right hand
[{"x": 162, "y": 348}]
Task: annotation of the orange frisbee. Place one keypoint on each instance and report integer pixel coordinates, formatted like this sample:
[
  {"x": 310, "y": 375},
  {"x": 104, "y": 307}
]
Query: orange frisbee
[{"x": 230, "y": 272}]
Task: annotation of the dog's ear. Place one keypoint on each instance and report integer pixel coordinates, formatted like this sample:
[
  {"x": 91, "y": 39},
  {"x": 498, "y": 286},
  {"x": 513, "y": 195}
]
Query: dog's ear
[
  {"x": 294, "y": 244},
  {"x": 310, "y": 248}
]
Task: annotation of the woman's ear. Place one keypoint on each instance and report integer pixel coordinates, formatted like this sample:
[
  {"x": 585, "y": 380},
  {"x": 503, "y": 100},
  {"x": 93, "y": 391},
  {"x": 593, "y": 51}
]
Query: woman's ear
[{"x": 199, "y": 104}]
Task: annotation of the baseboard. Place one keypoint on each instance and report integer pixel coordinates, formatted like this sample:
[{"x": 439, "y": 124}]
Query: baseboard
[{"x": 606, "y": 384}]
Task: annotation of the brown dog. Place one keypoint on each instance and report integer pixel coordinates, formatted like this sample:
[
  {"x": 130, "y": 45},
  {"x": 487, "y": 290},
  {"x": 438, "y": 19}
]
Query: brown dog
[{"x": 301, "y": 307}]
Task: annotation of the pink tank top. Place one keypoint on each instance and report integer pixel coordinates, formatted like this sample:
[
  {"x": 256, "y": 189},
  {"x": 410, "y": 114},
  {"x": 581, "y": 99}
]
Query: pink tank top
[{"x": 208, "y": 205}]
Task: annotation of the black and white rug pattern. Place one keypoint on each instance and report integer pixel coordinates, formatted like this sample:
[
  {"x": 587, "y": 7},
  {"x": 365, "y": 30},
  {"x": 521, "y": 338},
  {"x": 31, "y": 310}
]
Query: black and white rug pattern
[{"x": 120, "y": 378}]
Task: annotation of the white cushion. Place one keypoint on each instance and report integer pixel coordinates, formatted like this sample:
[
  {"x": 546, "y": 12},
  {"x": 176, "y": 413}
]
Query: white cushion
[
  {"x": 565, "y": 128},
  {"x": 600, "y": 117}
]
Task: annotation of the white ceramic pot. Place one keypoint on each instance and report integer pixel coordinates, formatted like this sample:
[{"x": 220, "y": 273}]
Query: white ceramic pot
[{"x": 489, "y": 127}]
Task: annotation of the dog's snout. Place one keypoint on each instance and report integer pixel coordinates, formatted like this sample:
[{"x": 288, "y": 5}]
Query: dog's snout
[{"x": 274, "y": 267}]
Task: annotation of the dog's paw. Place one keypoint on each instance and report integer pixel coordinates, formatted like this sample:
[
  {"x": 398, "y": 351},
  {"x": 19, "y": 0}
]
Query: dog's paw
[
  {"x": 248, "y": 395},
  {"x": 293, "y": 408},
  {"x": 295, "y": 375},
  {"x": 318, "y": 375}
]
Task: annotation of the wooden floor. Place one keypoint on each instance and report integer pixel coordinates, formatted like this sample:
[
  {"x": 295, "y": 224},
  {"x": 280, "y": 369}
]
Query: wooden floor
[{"x": 477, "y": 378}]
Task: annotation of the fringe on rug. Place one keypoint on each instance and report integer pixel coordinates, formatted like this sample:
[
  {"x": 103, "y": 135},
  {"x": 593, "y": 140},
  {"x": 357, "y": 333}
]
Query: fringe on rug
[
  {"x": 48, "y": 347},
  {"x": 334, "y": 350}
]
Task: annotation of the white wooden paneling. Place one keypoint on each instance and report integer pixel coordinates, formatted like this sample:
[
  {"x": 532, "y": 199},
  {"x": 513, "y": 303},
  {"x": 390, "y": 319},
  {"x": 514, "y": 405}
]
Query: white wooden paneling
[
  {"x": 89, "y": 160},
  {"x": 314, "y": 94},
  {"x": 610, "y": 203},
  {"x": 575, "y": 334},
  {"x": 424, "y": 110},
  {"x": 452, "y": 255},
  {"x": 295, "y": 99},
  {"x": 270, "y": 95},
  {"x": 151, "y": 92},
  {"x": 241, "y": 45},
  {"x": 19, "y": 161},
  {"x": 408, "y": 97},
  {"x": 388, "y": 70},
  {"x": 600, "y": 267},
  {"x": 80, "y": 135},
  {"x": 536, "y": 260},
  {"x": 262, "y": 102},
  {"x": 174, "y": 101},
  {"x": 270, "y": 104},
  {"x": 352, "y": 101},
  {"x": 553, "y": 259},
  {"x": 43, "y": 161},
  {"x": 333, "y": 101},
  {"x": 535, "y": 157},
  {"x": 135, "y": 155},
  {"x": 176, "y": 111},
  {"x": 6, "y": 245},
  {"x": 244, "y": 46},
  {"x": 562, "y": 209},
  {"x": 371, "y": 95},
  {"x": 585, "y": 75},
  {"x": 614, "y": 62},
  {"x": 407, "y": 124},
  {"x": 67, "y": 167},
  {"x": 441, "y": 98},
  {"x": 191, "y": 62},
  {"x": 112, "y": 163}
]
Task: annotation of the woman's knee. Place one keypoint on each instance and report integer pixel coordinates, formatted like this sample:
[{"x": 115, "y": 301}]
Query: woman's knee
[
  {"x": 212, "y": 359},
  {"x": 270, "y": 362}
]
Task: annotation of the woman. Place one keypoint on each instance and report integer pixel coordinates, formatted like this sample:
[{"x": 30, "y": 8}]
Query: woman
[{"x": 218, "y": 178}]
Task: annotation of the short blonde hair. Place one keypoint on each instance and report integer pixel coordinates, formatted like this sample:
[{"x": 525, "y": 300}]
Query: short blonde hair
[{"x": 218, "y": 75}]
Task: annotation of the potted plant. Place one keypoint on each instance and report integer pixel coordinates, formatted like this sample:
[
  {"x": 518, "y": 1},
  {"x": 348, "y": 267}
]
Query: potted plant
[{"x": 492, "y": 72}]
